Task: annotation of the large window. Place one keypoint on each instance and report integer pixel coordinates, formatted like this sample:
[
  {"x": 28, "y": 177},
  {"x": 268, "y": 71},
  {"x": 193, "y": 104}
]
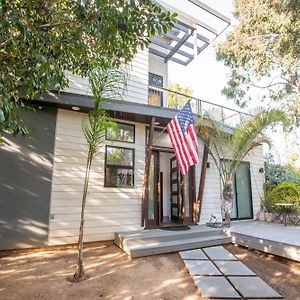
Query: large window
[
  {"x": 119, "y": 167},
  {"x": 122, "y": 132},
  {"x": 155, "y": 96}
]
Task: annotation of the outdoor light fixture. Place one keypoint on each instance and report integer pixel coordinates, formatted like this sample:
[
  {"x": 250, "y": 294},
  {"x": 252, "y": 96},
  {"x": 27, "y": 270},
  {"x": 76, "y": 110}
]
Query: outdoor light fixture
[
  {"x": 156, "y": 123},
  {"x": 76, "y": 108},
  {"x": 261, "y": 170}
]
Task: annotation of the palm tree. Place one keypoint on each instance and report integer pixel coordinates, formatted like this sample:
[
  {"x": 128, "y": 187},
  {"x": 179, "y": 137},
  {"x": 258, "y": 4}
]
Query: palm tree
[
  {"x": 228, "y": 148},
  {"x": 106, "y": 82}
]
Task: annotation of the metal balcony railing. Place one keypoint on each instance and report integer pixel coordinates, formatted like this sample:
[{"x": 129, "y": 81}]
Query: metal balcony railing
[{"x": 163, "y": 97}]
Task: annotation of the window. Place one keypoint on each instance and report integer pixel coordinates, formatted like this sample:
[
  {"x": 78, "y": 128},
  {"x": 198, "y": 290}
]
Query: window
[
  {"x": 119, "y": 167},
  {"x": 123, "y": 133},
  {"x": 156, "y": 80},
  {"x": 155, "y": 96}
]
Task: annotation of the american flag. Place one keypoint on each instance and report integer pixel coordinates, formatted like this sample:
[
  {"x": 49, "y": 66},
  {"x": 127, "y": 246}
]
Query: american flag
[{"x": 181, "y": 131}]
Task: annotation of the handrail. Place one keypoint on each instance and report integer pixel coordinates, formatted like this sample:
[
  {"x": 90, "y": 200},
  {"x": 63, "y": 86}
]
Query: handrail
[
  {"x": 229, "y": 116},
  {"x": 198, "y": 99}
]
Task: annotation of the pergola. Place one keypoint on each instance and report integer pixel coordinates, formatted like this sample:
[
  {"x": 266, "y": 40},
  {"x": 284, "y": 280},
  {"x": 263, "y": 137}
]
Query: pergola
[{"x": 189, "y": 35}]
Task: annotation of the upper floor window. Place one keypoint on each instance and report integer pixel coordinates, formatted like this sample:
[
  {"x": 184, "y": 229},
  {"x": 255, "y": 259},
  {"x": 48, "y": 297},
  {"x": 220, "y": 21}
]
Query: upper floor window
[
  {"x": 122, "y": 132},
  {"x": 155, "y": 96},
  {"x": 156, "y": 80}
]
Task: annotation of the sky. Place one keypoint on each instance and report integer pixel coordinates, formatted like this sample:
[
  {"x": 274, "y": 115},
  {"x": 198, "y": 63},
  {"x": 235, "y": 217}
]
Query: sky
[{"x": 206, "y": 77}]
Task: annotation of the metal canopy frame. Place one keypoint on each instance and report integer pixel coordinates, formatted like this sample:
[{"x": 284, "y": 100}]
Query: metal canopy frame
[{"x": 170, "y": 44}]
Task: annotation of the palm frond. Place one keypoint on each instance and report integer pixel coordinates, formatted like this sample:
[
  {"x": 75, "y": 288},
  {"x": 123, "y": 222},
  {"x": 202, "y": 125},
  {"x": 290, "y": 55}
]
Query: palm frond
[
  {"x": 228, "y": 150},
  {"x": 250, "y": 134},
  {"x": 107, "y": 83}
]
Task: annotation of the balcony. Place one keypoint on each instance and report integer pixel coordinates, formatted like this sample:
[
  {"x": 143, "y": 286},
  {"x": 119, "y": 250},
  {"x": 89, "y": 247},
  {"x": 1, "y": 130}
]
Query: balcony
[{"x": 162, "y": 97}]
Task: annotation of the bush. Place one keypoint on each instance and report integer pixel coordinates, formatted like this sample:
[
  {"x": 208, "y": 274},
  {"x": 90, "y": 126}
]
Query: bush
[
  {"x": 283, "y": 193},
  {"x": 277, "y": 174}
]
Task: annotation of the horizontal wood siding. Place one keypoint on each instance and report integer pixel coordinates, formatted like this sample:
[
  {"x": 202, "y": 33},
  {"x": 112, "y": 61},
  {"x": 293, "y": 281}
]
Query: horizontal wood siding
[
  {"x": 137, "y": 86},
  {"x": 107, "y": 209},
  {"x": 211, "y": 197},
  {"x": 212, "y": 189},
  {"x": 158, "y": 66}
]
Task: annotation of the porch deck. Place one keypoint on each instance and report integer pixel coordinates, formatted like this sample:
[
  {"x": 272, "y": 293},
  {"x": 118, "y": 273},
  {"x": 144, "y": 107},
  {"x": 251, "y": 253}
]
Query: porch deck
[
  {"x": 267, "y": 237},
  {"x": 272, "y": 238}
]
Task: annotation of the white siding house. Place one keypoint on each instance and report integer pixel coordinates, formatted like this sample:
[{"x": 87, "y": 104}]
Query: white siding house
[
  {"x": 114, "y": 201},
  {"x": 111, "y": 209}
]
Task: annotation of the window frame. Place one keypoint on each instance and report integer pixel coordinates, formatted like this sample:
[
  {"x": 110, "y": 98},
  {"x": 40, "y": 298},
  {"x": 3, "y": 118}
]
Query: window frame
[
  {"x": 153, "y": 74},
  {"x": 116, "y": 140},
  {"x": 151, "y": 89},
  {"x": 106, "y": 165}
]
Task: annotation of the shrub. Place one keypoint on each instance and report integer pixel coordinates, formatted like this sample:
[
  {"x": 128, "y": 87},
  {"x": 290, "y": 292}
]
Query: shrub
[
  {"x": 283, "y": 193},
  {"x": 277, "y": 174}
]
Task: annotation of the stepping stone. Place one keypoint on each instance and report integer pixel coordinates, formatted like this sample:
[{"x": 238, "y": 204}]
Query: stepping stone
[
  {"x": 218, "y": 253},
  {"x": 233, "y": 268},
  {"x": 201, "y": 267},
  {"x": 253, "y": 287},
  {"x": 193, "y": 254},
  {"x": 215, "y": 287}
]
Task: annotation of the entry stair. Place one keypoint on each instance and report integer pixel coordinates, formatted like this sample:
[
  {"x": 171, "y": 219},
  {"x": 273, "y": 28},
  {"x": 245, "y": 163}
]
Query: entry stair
[{"x": 158, "y": 241}]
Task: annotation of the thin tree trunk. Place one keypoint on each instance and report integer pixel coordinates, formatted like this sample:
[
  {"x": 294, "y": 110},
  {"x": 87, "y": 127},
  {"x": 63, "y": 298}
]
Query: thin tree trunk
[
  {"x": 79, "y": 274},
  {"x": 227, "y": 199}
]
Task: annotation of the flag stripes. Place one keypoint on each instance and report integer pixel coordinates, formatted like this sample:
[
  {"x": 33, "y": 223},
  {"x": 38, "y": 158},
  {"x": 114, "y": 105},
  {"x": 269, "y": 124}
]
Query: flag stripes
[{"x": 183, "y": 139}]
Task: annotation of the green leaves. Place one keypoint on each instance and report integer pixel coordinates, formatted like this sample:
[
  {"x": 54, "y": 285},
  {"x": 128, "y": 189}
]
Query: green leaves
[
  {"x": 228, "y": 150},
  {"x": 106, "y": 82},
  {"x": 39, "y": 40},
  {"x": 263, "y": 54}
]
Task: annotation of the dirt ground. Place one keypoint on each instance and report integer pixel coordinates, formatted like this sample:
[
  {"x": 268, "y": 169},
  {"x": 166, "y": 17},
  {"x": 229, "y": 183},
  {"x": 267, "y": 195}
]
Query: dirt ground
[
  {"x": 112, "y": 275},
  {"x": 42, "y": 274}
]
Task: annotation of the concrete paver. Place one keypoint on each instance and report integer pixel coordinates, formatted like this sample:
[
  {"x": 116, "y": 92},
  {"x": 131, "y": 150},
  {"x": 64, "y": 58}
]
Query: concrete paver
[
  {"x": 201, "y": 267},
  {"x": 215, "y": 287},
  {"x": 218, "y": 253},
  {"x": 193, "y": 254},
  {"x": 253, "y": 287},
  {"x": 233, "y": 268}
]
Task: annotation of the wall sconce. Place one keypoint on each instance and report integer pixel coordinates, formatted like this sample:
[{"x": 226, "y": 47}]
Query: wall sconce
[
  {"x": 261, "y": 170},
  {"x": 208, "y": 165}
]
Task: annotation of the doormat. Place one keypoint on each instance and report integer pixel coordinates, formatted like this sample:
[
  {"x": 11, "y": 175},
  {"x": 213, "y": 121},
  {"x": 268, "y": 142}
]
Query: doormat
[{"x": 176, "y": 228}]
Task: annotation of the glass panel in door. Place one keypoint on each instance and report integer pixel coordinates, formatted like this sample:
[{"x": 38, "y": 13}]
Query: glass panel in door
[
  {"x": 234, "y": 209},
  {"x": 151, "y": 191},
  {"x": 175, "y": 192},
  {"x": 186, "y": 195},
  {"x": 243, "y": 191}
]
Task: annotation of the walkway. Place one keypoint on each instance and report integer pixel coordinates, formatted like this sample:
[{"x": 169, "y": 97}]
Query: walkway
[
  {"x": 220, "y": 275},
  {"x": 267, "y": 237}
]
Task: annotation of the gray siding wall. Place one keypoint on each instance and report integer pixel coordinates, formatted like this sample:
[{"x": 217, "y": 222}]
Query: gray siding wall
[{"x": 25, "y": 183}]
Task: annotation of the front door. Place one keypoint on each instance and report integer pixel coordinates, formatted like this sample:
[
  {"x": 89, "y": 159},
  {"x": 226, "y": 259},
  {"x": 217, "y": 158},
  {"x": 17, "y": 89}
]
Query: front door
[
  {"x": 242, "y": 195},
  {"x": 171, "y": 197},
  {"x": 175, "y": 193}
]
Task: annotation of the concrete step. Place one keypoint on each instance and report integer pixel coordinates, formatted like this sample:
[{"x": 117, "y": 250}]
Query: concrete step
[
  {"x": 157, "y": 235},
  {"x": 136, "y": 249}
]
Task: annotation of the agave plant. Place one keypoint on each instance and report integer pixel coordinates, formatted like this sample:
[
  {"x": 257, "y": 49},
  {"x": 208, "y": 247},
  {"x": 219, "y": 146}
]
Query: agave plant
[
  {"x": 228, "y": 148},
  {"x": 106, "y": 83}
]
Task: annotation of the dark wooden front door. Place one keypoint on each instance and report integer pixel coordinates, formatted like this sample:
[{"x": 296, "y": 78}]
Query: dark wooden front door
[{"x": 175, "y": 191}]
